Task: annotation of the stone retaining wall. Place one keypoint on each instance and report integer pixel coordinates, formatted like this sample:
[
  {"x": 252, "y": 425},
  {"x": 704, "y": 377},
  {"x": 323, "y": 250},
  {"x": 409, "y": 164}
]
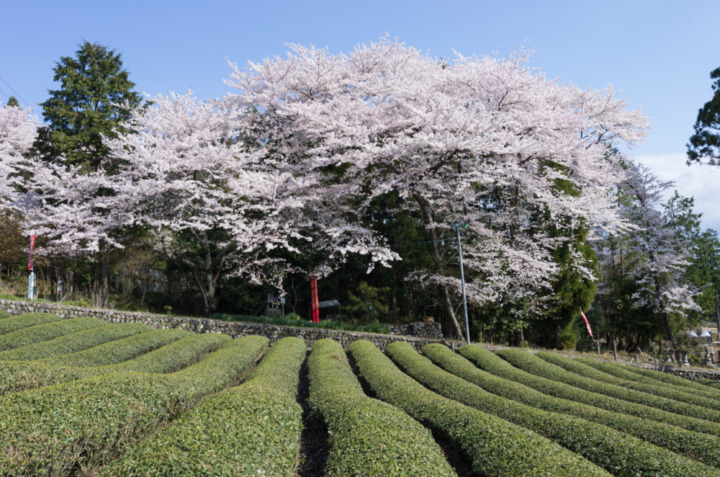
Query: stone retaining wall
[
  {"x": 687, "y": 373},
  {"x": 421, "y": 328},
  {"x": 206, "y": 325}
]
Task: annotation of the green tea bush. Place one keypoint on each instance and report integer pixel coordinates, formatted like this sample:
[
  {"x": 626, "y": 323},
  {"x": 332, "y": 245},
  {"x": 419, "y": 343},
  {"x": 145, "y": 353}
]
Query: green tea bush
[
  {"x": 527, "y": 362},
  {"x": 73, "y": 342},
  {"x": 252, "y": 429},
  {"x": 15, "y": 376},
  {"x": 366, "y": 436},
  {"x": 698, "y": 446},
  {"x": 539, "y": 367},
  {"x": 14, "y": 323},
  {"x": 74, "y": 427},
  {"x": 667, "y": 379},
  {"x": 121, "y": 350},
  {"x": 493, "y": 445},
  {"x": 172, "y": 357},
  {"x": 4, "y": 314},
  {"x": 47, "y": 331},
  {"x": 666, "y": 391},
  {"x": 618, "y": 453}
]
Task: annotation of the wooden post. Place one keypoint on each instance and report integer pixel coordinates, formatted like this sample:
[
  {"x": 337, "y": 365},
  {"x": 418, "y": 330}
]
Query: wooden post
[{"x": 314, "y": 303}]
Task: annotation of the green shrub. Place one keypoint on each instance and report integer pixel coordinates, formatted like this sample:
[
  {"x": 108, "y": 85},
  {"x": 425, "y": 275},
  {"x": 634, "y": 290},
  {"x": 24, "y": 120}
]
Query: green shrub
[
  {"x": 536, "y": 366},
  {"x": 76, "y": 426},
  {"x": 366, "y": 436},
  {"x": 19, "y": 376},
  {"x": 543, "y": 368},
  {"x": 695, "y": 445},
  {"x": 47, "y": 331},
  {"x": 17, "y": 322},
  {"x": 253, "y": 429},
  {"x": 617, "y": 452},
  {"x": 74, "y": 342},
  {"x": 120, "y": 350},
  {"x": 4, "y": 314},
  {"x": 172, "y": 357},
  {"x": 569, "y": 337},
  {"x": 667, "y": 378},
  {"x": 493, "y": 445},
  {"x": 587, "y": 371}
]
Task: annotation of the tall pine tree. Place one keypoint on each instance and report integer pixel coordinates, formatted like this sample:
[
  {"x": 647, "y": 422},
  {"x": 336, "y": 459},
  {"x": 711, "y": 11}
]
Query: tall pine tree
[{"x": 95, "y": 100}]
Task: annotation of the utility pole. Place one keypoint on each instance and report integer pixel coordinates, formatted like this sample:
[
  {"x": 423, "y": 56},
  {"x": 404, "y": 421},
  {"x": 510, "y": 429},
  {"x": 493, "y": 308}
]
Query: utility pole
[{"x": 456, "y": 228}]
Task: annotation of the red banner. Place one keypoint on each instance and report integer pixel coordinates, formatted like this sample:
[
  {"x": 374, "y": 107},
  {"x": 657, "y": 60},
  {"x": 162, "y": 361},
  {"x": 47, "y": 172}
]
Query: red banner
[
  {"x": 32, "y": 246},
  {"x": 586, "y": 323}
]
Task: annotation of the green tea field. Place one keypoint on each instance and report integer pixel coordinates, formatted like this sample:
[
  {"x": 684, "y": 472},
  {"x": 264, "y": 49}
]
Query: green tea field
[{"x": 83, "y": 397}]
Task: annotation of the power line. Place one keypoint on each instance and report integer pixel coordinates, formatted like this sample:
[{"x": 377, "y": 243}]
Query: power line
[{"x": 14, "y": 92}]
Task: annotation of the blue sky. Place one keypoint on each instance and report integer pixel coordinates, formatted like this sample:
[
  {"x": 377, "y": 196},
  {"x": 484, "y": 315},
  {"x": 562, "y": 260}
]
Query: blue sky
[{"x": 658, "y": 53}]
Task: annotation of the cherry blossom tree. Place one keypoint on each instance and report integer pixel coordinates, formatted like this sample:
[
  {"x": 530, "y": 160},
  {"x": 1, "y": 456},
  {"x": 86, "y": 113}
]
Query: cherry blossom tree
[
  {"x": 660, "y": 251},
  {"x": 17, "y": 133},
  {"x": 190, "y": 177},
  {"x": 481, "y": 140}
]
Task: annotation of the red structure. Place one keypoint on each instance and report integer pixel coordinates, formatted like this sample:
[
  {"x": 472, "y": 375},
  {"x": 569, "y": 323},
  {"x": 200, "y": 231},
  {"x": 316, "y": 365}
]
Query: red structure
[{"x": 314, "y": 304}]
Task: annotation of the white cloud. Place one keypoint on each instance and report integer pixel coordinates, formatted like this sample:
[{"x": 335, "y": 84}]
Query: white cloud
[{"x": 699, "y": 181}]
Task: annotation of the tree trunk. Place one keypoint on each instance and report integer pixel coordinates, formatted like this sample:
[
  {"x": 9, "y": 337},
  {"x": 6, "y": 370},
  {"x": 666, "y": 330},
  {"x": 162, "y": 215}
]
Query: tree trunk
[
  {"x": 614, "y": 343},
  {"x": 557, "y": 337},
  {"x": 450, "y": 324},
  {"x": 205, "y": 279},
  {"x": 666, "y": 322},
  {"x": 104, "y": 271}
]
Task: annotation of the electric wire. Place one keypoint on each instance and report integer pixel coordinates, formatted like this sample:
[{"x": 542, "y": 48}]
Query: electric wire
[{"x": 17, "y": 95}]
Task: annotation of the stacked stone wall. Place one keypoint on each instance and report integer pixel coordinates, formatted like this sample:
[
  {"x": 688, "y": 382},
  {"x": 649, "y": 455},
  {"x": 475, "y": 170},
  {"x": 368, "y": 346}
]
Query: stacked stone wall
[{"x": 232, "y": 328}]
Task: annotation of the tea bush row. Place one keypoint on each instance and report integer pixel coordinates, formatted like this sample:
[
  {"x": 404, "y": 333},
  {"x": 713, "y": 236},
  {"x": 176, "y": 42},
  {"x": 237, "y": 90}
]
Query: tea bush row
[
  {"x": 47, "y": 331},
  {"x": 121, "y": 350},
  {"x": 698, "y": 446},
  {"x": 75, "y": 427},
  {"x": 252, "y": 429},
  {"x": 73, "y": 342},
  {"x": 16, "y": 322},
  {"x": 677, "y": 383},
  {"x": 493, "y": 445},
  {"x": 591, "y": 372},
  {"x": 617, "y": 452},
  {"x": 543, "y": 368},
  {"x": 17, "y": 376},
  {"x": 366, "y": 436},
  {"x": 538, "y": 367}
]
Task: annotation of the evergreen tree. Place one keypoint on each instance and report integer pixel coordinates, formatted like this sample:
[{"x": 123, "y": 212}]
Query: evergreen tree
[
  {"x": 95, "y": 101},
  {"x": 704, "y": 273},
  {"x": 705, "y": 143},
  {"x": 12, "y": 102}
]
